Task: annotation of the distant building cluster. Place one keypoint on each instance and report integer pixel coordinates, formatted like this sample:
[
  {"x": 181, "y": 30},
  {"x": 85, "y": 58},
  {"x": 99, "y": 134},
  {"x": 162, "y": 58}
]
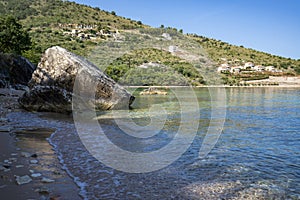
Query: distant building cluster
[
  {"x": 246, "y": 68},
  {"x": 89, "y": 32}
]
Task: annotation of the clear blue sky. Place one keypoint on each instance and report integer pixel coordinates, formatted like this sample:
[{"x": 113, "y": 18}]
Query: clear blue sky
[{"x": 271, "y": 26}]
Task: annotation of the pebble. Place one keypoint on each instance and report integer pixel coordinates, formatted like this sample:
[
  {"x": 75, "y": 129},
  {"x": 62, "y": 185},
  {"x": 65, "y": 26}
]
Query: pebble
[
  {"x": 36, "y": 175},
  {"x": 12, "y": 159},
  {"x": 7, "y": 170},
  {"x": 23, "y": 179},
  {"x": 2, "y": 168},
  {"x": 43, "y": 190},
  {"x": 25, "y": 154},
  {"x": 34, "y": 161},
  {"x": 6, "y": 165},
  {"x": 31, "y": 171},
  {"x": 19, "y": 166},
  {"x": 47, "y": 180},
  {"x": 13, "y": 154}
]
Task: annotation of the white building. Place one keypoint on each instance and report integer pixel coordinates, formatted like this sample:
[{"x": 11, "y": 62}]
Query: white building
[
  {"x": 249, "y": 66},
  {"x": 236, "y": 69},
  {"x": 270, "y": 68},
  {"x": 224, "y": 68},
  {"x": 259, "y": 68}
]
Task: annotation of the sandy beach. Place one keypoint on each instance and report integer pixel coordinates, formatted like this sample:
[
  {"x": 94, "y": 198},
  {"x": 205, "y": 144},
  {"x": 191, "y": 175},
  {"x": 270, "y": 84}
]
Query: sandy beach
[{"x": 29, "y": 168}]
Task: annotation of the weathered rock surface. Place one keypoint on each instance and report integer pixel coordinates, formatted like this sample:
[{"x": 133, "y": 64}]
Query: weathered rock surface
[
  {"x": 15, "y": 70},
  {"x": 52, "y": 84}
]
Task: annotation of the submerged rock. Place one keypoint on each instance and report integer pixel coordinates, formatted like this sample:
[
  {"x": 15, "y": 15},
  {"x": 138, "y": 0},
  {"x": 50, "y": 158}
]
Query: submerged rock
[
  {"x": 23, "y": 179},
  {"x": 52, "y": 83}
]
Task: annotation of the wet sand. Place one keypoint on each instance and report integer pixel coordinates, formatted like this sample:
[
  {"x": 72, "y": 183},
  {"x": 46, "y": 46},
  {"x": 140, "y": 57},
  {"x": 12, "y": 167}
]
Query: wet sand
[{"x": 26, "y": 152}]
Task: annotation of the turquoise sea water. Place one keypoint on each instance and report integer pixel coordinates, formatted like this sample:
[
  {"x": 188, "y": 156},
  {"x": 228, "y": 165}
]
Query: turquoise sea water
[{"x": 257, "y": 155}]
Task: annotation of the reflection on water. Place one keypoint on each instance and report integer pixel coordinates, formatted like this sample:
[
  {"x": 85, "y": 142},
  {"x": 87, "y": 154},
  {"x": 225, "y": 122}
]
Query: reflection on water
[{"x": 257, "y": 155}]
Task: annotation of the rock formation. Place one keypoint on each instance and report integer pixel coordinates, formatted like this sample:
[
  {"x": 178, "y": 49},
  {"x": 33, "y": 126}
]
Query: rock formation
[
  {"x": 14, "y": 70},
  {"x": 52, "y": 84}
]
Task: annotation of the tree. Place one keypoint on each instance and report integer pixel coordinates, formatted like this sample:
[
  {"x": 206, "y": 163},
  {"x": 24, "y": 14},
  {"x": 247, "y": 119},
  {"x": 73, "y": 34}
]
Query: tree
[
  {"x": 13, "y": 38},
  {"x": 113, "y": 12}
]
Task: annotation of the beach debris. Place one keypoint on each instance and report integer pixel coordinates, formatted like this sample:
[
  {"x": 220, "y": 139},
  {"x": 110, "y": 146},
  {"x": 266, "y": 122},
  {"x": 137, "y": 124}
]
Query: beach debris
[
  {"x": 47, "y": 180},
  {"x": 23, "y": 179},
  {"x": 25, "y": 154},
  {"x": 34, "y": 161},
  {"x": 36, "y": 175}
]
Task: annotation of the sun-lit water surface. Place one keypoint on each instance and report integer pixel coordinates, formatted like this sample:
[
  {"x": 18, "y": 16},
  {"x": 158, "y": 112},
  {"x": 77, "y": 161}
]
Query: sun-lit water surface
[{"x": 257, "y": 153}]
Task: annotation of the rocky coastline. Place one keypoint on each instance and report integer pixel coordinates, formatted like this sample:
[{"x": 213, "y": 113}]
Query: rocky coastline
[{"x": 28, "y": 163}]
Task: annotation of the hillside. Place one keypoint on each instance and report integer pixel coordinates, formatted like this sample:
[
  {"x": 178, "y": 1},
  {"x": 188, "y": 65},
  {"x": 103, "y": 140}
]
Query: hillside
[
  {"x": 81, "y": 28},
  {"x": 49, "y": 20},
  {"x": 222, "y": 52}
]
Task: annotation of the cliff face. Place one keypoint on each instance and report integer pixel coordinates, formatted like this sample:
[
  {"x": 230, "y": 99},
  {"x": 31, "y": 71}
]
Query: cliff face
[{"x": 62, "y": 76}]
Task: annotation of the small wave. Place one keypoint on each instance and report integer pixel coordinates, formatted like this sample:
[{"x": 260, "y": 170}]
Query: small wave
[{"x": 82, "y": 185}]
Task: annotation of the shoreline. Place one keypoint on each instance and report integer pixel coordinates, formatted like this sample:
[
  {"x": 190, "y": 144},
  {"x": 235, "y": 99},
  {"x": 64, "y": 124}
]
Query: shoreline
[
  {"x": 80, "y": 166},
  {"x": 217, "y": 86},
  {"x": 26, "y": 153}
]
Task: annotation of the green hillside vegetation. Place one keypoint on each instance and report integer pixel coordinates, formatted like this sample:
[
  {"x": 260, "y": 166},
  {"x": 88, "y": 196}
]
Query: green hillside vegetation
[
  {"x": 48, "y": 20},
  {"x": 238, "y": 55},
  {"x": 80, "y": 28},
  {"x": 167, "y": 69}
]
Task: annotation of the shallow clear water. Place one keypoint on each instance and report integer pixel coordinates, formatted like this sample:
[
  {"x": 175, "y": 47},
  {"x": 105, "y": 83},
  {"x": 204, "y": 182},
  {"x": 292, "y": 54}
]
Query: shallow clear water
[{"x": 257, "y": 155}]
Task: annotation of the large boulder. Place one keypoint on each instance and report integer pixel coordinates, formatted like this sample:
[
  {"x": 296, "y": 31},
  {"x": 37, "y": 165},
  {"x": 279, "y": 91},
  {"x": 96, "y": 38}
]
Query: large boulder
[
  {"x": 15, "y": 70},
  {"x": 52, "y": 85}
]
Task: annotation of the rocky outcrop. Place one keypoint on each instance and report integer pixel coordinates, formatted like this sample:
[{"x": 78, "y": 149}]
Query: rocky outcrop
[
  {"x": 52, "y": 85},
  {"x": 14, "y": 70}
]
